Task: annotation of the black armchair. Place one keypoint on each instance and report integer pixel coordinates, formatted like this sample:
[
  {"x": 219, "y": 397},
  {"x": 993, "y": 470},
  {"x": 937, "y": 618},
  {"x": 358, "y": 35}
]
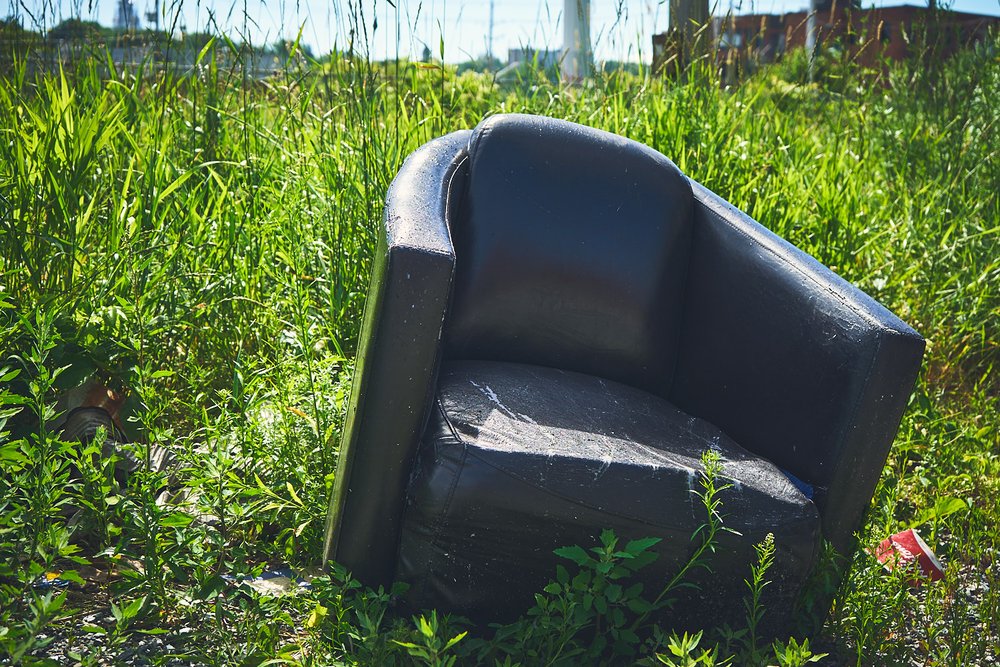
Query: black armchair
[{"x": 559, "y": 324}]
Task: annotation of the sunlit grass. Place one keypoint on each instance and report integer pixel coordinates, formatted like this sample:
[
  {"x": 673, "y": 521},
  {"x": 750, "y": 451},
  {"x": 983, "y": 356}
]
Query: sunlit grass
[{"x": 205, "y": 240}]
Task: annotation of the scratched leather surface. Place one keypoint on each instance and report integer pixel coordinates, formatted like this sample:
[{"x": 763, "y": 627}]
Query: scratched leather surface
[{"x": 519, "y": 460}]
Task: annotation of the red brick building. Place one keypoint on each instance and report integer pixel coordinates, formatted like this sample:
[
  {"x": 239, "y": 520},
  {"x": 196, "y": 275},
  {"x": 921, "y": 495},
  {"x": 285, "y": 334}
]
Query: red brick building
[{"x": 869, "y": 35}]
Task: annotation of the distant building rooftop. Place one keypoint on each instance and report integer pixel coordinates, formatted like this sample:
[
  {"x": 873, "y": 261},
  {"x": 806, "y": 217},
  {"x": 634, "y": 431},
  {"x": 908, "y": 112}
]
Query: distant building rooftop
[{"x": 869, "y": 34}]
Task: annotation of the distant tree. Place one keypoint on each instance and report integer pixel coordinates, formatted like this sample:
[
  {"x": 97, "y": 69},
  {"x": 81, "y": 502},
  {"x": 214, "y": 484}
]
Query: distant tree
[
  {"x": 283, "y": 49},
  {"x": 196, "y": 41},
  {"x": 77, "y": 30},
  {"x": 11, "y": 28},
  {"x": 612, "y": 66},
  {"x": 481, "y": 64},
  {"x": 15, "y": 41}
]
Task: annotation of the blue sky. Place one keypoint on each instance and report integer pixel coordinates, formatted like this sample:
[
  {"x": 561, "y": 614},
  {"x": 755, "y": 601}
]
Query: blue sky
[{"x": 620, "y": 29}]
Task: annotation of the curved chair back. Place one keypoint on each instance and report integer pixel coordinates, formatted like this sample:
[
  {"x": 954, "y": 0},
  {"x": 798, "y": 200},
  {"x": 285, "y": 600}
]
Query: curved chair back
[{"x": 571, "y": 251}]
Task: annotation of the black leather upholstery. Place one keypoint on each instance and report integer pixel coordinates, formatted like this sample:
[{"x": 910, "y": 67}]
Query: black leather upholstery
[
  {"x": 520, "y": 460},
  {"x": 571, "y": 251},
  {"x": 579, "y": 250},
  {"x": 397, "y": 360},
  {"x": 793, "y": 362}
]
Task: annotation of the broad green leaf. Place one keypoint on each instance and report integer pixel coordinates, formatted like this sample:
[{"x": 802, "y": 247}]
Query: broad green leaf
[
  {"x": 942, "y": 508},
  {"x": 176, "y": 520},
  {"x": 574, "y": 553}
]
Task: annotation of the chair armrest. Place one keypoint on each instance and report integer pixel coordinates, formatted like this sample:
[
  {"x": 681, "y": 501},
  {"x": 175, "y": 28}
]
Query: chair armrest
[
  {"x": 791, "y": 361},
  {"x": 396, "y": 363}
]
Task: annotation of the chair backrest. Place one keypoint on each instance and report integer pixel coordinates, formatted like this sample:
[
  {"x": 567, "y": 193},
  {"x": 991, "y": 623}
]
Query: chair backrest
[{"x": 571, "y": 250}]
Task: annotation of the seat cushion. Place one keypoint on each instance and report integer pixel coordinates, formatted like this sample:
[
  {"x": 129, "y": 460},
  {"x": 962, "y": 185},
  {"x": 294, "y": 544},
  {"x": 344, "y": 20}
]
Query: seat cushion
[
  {"x": 571, "y": 250},
  {"x": 518, "y": 460}
]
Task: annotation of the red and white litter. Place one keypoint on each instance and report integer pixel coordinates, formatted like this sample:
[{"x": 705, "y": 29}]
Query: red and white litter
[{"x": 907, "y": 550}]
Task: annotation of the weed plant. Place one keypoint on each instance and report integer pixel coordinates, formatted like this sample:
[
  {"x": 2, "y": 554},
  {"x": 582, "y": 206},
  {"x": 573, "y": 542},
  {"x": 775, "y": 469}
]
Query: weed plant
[{"x": 204, "y": 239}]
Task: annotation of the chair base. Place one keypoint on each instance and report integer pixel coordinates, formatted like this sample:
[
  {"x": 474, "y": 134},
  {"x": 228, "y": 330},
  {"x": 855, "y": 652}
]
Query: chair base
[{"x": 520, "y": 460}]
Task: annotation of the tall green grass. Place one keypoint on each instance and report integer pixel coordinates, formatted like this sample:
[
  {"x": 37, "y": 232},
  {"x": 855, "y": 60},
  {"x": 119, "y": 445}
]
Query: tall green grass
[{"x": 205, "y": 241}]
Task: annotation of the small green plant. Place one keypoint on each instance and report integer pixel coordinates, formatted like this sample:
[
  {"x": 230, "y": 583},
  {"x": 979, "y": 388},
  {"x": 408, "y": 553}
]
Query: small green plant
[
  {"x": 752, "y": 604},
  {"x": 432, "y": 650},
  {"x": 794, "y": 654},
  {"x": 20, "y": 637},
  {"x": 602, "y": 587},
  {"x": 704, "y": 536},
  {"x": 598, "y": 612},
  {"x": 350, "y": 620},
  {"x": 683, "y": 652}
]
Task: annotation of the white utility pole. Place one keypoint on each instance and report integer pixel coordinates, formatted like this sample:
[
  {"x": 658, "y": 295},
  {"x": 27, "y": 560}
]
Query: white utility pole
[
  {"x": 811, "y": 35},
  {"x": 577, "y": 56},
  {"x": 489, "y": 44}
]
